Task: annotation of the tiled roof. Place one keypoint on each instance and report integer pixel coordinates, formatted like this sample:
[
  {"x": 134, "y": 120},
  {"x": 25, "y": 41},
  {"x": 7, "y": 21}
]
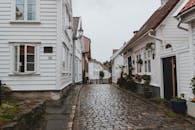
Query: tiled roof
[
  {"x": 114, "y": 51},
  {"x": 155, "y": 20},
  {"x": 98, "y": 62},
  {"x": 75, "y": 25},
  {"x": 189, "y": 5}
]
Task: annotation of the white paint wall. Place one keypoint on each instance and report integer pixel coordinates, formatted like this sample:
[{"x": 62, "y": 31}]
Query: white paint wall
[
  {"x": 49, "y": 33},
  {"x": 179, "y": 40},
  {"x": 94, "y": 69},
  {"x": 117, "y": 62}
]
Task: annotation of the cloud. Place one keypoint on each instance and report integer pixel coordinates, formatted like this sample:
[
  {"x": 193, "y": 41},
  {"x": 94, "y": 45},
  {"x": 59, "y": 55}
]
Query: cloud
[{"x": 109, "y": 23}]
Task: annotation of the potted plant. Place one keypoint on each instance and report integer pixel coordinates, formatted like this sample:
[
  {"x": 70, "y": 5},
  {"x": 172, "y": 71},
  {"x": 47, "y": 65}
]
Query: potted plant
[
  {"x": 147, "y": 91},
  {"x": 101, "y": 75},
  {"x": 191, "y": 103},
  {"x": 140, "y": 61},
  {"x": 131, "y": 83},
  {"x": 178, "y": 104}
]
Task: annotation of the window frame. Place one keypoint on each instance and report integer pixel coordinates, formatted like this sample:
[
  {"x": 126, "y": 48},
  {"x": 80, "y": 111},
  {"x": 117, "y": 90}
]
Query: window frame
[
  {"x": 37, "y": 15},
  {"x": 15, "y": 69},
  {"x": 147, "y": 61}
]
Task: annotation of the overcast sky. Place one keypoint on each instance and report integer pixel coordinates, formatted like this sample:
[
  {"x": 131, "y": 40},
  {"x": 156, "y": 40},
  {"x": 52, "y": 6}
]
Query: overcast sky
[{"x": 109, "y": 23}]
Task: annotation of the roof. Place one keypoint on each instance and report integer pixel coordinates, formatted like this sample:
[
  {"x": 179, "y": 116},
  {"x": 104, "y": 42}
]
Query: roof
[
  {"x": 189, "y": 5},
  {"x": 114, "y": 51},
  {"x": 155, "y": 20},
  {"x": 99, "y": 63},
  {"x": 86, "y": 44},
  {"x": 75, "y": 25}
]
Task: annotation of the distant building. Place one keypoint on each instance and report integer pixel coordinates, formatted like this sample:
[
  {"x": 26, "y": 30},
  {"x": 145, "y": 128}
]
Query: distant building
[
  {"x": 86, "y": 56},
  {"x": 94, "y": 71},
  {"x": 117, "y": 62}
]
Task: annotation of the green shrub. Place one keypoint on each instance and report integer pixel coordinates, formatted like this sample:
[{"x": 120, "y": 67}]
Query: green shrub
[{"x": 8, "y": 112}]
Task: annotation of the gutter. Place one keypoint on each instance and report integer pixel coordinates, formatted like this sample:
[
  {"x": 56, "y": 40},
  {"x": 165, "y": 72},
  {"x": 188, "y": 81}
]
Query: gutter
[
  {"x": 153, "y": 36},
  {"x": 180, "y": 27}
]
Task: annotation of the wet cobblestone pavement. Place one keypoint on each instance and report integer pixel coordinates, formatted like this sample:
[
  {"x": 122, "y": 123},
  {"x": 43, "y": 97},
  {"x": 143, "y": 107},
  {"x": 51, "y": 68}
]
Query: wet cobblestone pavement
[{"x": 104, "y": 107}]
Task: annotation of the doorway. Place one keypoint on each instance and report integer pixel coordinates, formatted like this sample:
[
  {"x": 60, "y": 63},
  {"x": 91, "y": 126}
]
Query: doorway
[
  {"x": 130, "y": 65},
  {"x": 169, "y": 77}
]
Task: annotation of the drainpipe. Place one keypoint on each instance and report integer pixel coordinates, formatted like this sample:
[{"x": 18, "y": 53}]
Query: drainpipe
[{"x": 180, "y": 27}]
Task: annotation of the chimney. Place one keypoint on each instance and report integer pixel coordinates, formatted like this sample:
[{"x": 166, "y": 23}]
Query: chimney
[
  {"x": 163, "y": 2},
  {"x": 135, "y": 32}
]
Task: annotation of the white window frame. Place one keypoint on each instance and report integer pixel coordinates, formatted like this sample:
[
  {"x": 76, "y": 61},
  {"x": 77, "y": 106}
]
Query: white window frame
[
  {"x": 37, "y": 17},
  {"x": 147, "y": 59},
  {"x": 36, "y": 60}
]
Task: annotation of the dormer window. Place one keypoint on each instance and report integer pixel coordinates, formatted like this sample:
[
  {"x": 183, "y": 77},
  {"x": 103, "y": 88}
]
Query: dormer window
[{"x": 25, "y": 10}]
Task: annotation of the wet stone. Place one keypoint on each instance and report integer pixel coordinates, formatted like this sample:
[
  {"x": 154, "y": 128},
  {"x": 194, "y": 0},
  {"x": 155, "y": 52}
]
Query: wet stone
[{"x": 106, "y": 107}]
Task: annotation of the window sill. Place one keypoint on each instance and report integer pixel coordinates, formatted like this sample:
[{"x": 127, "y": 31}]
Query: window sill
[
  {"x": 24, "y": 74},
  {"x": 25, "y": 22}
]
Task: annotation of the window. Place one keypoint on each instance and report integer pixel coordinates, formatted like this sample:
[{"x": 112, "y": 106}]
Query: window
[
  {"x": 65, "y": 61},
  {"x": 25, "y": 10},
  {"x": 48, "y": 49},
  {"x": 147, "y": 58},
  {"x": 24, "y": 61},
  {"x": 139, "y": 65}
]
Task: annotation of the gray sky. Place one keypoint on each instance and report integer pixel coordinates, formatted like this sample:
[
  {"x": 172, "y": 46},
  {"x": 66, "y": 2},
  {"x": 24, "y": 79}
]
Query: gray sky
[{"x": 109, "y": 23}]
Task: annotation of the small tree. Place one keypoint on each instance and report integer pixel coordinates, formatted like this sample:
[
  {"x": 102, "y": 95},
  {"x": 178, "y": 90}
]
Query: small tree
[{"x": 101, "y": 74}]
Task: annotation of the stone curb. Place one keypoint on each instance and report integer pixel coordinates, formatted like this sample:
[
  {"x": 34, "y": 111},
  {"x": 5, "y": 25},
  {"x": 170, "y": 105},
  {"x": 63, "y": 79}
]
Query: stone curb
[{"x": 71, "y": 123}]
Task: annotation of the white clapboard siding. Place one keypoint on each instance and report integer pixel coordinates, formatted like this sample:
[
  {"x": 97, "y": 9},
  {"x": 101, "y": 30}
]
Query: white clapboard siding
[
  {"x": 184, "y": 73},
  {"x": 64, "y": 79},
  {"x": 45, "y": 33}
]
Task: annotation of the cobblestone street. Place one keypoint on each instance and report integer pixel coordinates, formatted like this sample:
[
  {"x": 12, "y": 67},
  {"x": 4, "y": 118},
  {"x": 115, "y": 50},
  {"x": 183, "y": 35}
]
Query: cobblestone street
[{"x": 104, "y": 107}]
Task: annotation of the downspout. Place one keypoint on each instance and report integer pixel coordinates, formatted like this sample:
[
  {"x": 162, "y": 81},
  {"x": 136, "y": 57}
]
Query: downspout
[{"x": 180, "y": 27}]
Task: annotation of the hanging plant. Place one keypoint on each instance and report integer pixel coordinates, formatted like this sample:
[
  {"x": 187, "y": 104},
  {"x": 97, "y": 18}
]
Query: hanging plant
[
  {"x": 149, "y": 46},
  {"x": 140, "y": 61}
]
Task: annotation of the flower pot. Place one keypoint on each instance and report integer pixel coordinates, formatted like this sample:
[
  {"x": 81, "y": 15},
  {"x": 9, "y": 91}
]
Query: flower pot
[
  {"x": 179, "y": 106},
  {"x": 147, "y": 94},
  {"x": 191, "y": 108}
]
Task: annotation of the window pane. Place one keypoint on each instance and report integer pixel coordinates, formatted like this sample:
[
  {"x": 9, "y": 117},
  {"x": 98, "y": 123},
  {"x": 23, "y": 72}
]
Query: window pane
[
  {"x": 30, "y": 58},
  {"x": 149, "y": 66},
  {"x": 22, "y": 59},
  {"x": 16, "y": 58},
  {"x": 31, "y": 9},
  {"x": 145, "y": 66},
  {"x": 30, "y": 67},
  {"x": 19, "y": 9},
  {"x": 30, "y": 49}
]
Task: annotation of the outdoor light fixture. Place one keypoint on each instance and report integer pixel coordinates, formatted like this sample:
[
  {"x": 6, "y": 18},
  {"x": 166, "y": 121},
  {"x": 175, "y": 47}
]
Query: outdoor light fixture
[
  {"x": 151, "y": 46},
  {"x": 80, "y": 33}
]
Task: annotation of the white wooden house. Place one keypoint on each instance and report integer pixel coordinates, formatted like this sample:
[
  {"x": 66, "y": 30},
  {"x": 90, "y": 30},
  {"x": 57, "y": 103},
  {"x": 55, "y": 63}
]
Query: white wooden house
[
  {"x": 77, "y": 44},
  {"x": 94, "y": 71},
  {"x": 36, "y": 44},
  {"x": 117, "y": 61},
  {"x": 186, "y": 15},
  {"x": 160, "y": 48}
]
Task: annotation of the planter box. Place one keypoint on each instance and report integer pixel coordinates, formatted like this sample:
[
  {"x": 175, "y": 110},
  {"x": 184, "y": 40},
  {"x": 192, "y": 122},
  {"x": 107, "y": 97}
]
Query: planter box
[
  {"x": 191, "y": 109},
  {"x": 179, "y": 106}
]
